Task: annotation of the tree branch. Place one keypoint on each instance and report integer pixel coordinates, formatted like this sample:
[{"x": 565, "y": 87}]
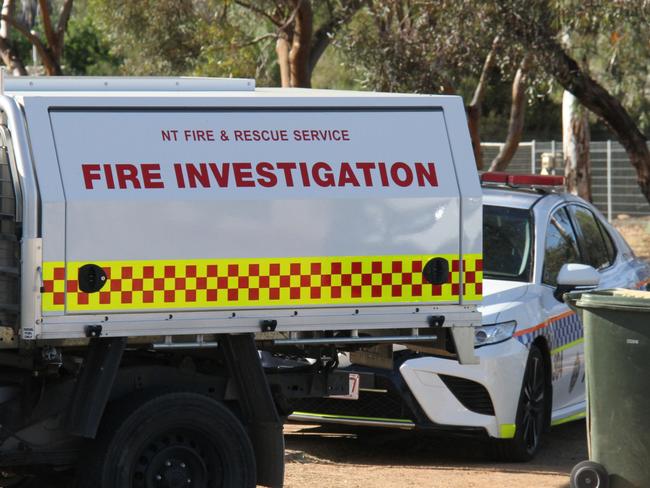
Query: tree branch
[
  {"x": 47, "y": 24},
  {"x": 51, "y": 66},
  {"x": 62, "y": 25},
  {"x": 259, "y": 11}
]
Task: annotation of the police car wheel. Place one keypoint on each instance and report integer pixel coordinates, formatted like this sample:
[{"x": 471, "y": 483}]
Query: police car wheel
[
  {"x": 170, "y": 440},
  {"x": 588, "y": 474},
  {"x": 531, "y": 413}
]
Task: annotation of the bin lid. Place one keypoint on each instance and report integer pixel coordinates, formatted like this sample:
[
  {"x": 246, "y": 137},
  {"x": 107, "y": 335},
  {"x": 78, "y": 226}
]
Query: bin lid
[{"x": 614, "y": 299}]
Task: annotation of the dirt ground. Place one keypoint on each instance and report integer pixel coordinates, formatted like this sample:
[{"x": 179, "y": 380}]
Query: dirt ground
[
  {"x": 636, "y": 231},
  {"x": 334, "y": 458}
]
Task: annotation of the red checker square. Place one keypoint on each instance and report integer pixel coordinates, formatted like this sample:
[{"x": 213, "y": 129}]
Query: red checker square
[
  {"x": 116, "y": 285},
  {"x": 294, "y": 293},
  {"x": 416, "y": 266},
  {"x": 222, "y": 282},
  {"x": 211, "y": 295},
  {"x": 190, "y": 295},
  {"x": 59, "y": 273},
  {"x": 274, "y": 293},
  {"x": 356, "y": 267},
  {"x": 59, "y": 298},
  {"x": 366, "y": 279},
  {"x": 305, "y": 280},
  {"x": 314, "y": 292},
  {"x": 274, "y": 269},
  {"x": 242, "y": 282},
  {"x": 233, "y": 270},
  {"x": 159, "y": 283},
  {"x": 48, "y": 286},
  {"x": 147, "y": 272},
  {"x": 107, "y": 270},
  {"x": 416, "y": 290},
  {"x": 212, "y": 270},
  {"x": 396, "y": 290},
  {"x": 478, "y": 265},
  {"x": 253, "y": 270},
  {"x": 336, "y": 292},
  {"x": 356, "y": 292},
  {"x": 455, "y": 266},
  {"x": 478, "y": 288},
  {"x": 407, "y": 278},
  {"x": 170, "y": 296},
  {"x": 376, "y": 267},
  {"x": 201, "y": 283},
  {"x": 346, "y": 280},
  {"x": 126, "y": 297},
  {"x": 436, "y": 290},
  {"x": 455, "y": 289},
  {"x": 326, "y": 280},
  {"x": 82, "y": 298},
  {"x": 375, "y": 291},
  {"x": 315, "y": 268},
  {"x": 72, "y": 286},
  {"x": 137, "y": 284},
  {"x": 104, "y": 297},
  {"x": 396, "y": 266},
  {"x": 285, "y": 281},
  {"x": 336, "y": 268},
  {"x": 233, "y": 295},
  {"x": 264, "y": 281},
  {"x": 253, "y": 294},
  {"x": 170, "y": 271},
  {"x": 294, "y": 269},
  {"x": 147, "y": 297},
  {"x": 179, "y": 284},
  {"x": 190, "y": 271},
  {"x": 127, "y": 272},
  {"x": 470, "y": 277},
  {"x": 386, "y": 279}
]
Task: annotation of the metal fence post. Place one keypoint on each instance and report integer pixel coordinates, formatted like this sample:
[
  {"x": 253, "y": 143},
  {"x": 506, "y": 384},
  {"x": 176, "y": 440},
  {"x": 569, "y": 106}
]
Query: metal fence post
[
  {"x": 533, "y": 148},
  {"x": 609, "y": 180}
]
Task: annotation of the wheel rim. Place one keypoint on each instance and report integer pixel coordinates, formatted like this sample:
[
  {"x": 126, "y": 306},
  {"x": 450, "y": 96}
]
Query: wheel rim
[
  {"x": 533, "y": 404},
  {"x": 178, "y": 459}
]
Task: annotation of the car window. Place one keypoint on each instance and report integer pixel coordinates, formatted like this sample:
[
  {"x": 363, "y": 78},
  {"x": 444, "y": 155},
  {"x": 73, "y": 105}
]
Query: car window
[
  {"x": 507, "y": 243},
  {"x": 560, "y": 247},
  {"x": 609, "y": 242},
  {"x": 593, "y": 243}
]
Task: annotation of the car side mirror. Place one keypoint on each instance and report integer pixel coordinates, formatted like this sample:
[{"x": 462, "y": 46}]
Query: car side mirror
[{"x": 573, "y": 276}]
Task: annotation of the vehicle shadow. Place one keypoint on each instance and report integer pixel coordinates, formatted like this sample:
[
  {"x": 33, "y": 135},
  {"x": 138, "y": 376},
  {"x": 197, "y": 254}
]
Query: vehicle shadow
[{"x": 564, "y": 446}]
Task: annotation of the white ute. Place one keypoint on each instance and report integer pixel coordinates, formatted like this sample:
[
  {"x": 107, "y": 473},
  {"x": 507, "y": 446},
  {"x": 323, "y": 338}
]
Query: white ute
[{"x": 156, "y": 232}]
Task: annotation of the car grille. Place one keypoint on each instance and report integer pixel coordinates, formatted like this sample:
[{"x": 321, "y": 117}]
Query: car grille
[{"x": 472, "y": 395}]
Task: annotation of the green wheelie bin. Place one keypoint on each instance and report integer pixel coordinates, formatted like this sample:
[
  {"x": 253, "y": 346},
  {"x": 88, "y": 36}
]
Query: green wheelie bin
[{"x": 617, "y": 361}]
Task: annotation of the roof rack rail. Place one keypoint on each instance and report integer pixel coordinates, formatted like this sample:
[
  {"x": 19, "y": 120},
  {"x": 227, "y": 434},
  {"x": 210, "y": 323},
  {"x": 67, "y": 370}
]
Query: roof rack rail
[{"x": 538, "y": 182}]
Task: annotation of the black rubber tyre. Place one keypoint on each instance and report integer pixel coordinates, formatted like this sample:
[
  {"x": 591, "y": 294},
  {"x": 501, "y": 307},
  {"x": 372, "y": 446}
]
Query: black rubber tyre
[
  {"x": 588, "y": 474},
  {"x": 169, "y": 440},
  {"x": 532, "y": 413}
]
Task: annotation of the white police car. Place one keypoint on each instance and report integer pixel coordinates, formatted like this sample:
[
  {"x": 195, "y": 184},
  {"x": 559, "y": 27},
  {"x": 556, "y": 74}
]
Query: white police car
[{"x": 538, "y": 244}]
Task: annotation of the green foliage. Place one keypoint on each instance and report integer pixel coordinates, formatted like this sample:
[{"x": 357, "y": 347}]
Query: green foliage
[{"x": 86, "y": 51}]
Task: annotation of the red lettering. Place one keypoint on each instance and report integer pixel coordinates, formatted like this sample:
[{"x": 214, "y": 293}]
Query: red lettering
[
  {"x": 243, "y": 175},
  {"x": 220, "y": 176},
  {"x": 383, "y": 176},
  {"x": 422, "y": 174},
  {"x": 91, "y": 173},
  {"x": 151, "y": 175},
  {"x": 346, "y": 175},
  {"x": 180, "y": 179},
  {"x": 304, "y": 173},
  {"x": 238, "y": 135},
  {"x": 127, "y": 173},
  {"x": 408, "y": 174},
  {"x": 267, "y": 178},
  {"x": 322, "y": 174},
  {"x": 287, "y": 167},
  {"x": 108, "y": 172},
  {"x": 366, "y": 167},
  {"x": 199, "y": 175}
]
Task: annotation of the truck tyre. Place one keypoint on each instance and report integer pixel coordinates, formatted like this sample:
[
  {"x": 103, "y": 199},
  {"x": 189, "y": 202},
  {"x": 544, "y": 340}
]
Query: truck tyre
[
  {"x": 531, "y": 413},
  {"x": 169, "y": 440}
]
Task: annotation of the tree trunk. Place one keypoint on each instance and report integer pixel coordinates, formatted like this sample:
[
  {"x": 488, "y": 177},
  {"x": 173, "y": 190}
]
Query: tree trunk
[
  {"x": 474, "y": 108},
  {"x": 282, "y": 51},
  {"x": 575, "y": 144},
  {"x": 7, "y": 53},
  {"x": 516, "y": 124},
  {"x": 300, "y": 46}
]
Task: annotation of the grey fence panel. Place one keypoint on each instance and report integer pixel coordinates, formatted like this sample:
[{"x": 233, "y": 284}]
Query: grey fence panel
[{"x": 614, "y": 193}]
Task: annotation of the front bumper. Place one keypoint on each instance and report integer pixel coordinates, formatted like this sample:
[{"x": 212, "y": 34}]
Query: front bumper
[{"x": 470, "y": 396}]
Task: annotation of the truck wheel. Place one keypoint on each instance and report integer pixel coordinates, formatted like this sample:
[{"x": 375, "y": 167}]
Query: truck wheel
[
  {"x": 531, "y": 413},
  {"x": 588, "y": 474},
  {"x": 169, "y": 440}
]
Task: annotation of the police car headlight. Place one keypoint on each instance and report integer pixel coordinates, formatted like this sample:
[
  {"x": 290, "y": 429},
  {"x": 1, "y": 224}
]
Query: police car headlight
[{"x": 493, "y": 333}]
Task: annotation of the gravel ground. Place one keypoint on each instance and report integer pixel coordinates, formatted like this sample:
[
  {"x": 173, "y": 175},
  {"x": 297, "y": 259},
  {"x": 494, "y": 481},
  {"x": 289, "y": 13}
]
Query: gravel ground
[{"x": 321, "y": 456}]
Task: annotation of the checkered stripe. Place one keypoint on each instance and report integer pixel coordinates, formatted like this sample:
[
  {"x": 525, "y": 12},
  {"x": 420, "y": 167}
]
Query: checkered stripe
[
  {"x": 472, "y": 277},
  {"x": 215, "y": 283},
  {"x": 559, "y": 330}
]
